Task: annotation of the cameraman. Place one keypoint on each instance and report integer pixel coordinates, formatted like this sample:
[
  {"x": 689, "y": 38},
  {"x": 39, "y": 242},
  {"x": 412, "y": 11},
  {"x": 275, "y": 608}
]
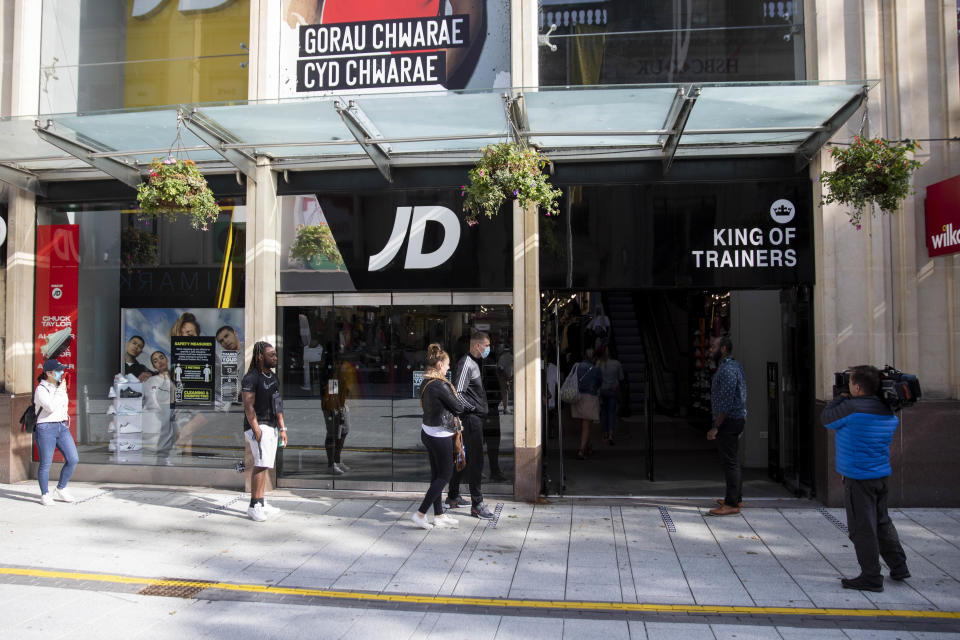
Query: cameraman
[{"x": 865, "y": 427}]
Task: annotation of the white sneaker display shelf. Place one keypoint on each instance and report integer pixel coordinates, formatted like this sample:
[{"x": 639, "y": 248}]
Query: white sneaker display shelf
[{"x": 126, "y": 422}]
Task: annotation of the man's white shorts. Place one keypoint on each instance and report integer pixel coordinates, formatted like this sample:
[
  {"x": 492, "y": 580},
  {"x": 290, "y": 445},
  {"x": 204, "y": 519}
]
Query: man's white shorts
[{"x": 265, "y": 451}]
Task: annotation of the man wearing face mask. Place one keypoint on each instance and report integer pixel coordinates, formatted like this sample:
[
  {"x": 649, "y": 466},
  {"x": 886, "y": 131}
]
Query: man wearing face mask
[{"x": 468, "y": 381}]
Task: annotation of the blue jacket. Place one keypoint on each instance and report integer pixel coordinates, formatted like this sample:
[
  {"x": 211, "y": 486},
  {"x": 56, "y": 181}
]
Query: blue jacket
[{"x": 864, "y": 426}]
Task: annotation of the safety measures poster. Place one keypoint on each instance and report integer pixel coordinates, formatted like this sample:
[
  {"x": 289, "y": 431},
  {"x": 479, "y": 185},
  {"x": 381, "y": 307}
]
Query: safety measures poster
[{"x": 193, "y": 363}]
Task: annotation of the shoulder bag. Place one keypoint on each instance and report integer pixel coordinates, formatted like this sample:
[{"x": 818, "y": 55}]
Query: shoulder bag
[{"x": 459, "y": 454}]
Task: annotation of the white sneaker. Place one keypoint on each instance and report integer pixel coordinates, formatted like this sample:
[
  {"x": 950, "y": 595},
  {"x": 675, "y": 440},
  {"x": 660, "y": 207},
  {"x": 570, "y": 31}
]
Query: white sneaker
[
  {"x": 420, "y": 520},
  {"x": 343, "y": 467},
  {"x": 256, "y": 513},
  {"x": 46, "y": 499},
  {"x": 126, "y": 427},
  {"x": 443, "y": 521},
  {"x": 112, "y": 394},
  {"x": 269, "y": 510},
  {"x": 63, "y": 495},
  {"x": 335, "y": 469},
  {"x": 132, "y": 378}
]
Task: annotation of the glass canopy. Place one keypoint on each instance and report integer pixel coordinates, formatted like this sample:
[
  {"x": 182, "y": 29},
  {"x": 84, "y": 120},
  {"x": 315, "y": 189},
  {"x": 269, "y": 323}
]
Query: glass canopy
[{"x": 438, "y": 127}]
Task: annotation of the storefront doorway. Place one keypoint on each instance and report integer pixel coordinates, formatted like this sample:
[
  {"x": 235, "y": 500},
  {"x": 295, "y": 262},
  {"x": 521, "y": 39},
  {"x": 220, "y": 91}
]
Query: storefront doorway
[
  {"x": 661, "y": 338},
  {"x": 352, "y": 367}
]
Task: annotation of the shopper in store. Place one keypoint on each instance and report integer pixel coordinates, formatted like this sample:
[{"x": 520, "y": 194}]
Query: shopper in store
[
  {"x": 865, "y": 425},
  {"x": 469, "y": 386},
  {"x": 587, "y": 408},
  {"x": 609, "y": 393},
  {"x": 263, "y": 426},
  {"x": 51, "y": 402},
  {"x": 336, "y": 414},
  {"x": 440, "y": 404},
  {"x": 728, "y": 400},
  {"x": 130, "y": 363}
]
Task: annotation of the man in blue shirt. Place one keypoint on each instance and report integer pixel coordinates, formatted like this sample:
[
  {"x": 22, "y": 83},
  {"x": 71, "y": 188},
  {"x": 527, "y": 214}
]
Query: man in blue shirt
[
  {"x": 865, "y": 426},
  {"x": 728, "y": 400}
]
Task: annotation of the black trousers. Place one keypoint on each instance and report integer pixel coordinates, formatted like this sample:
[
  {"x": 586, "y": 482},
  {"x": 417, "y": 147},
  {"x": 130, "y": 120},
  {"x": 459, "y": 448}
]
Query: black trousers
[
  {"x": 333, "y": 443},
  {"x": 472, "y": 473},
  {"x": 440, "y": 451},
  {"x": 491, "y": 435},
  {"x": 871, "y": 530},
  {"x": 728, "y": 445}
]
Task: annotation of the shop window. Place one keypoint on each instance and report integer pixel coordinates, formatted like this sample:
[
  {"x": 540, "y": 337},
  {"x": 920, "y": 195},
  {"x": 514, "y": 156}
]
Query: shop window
[{"x": 157, "y": 352}]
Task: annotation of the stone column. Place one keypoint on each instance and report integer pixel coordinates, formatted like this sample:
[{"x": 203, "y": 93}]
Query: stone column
[{"x": 261, "y": 269}]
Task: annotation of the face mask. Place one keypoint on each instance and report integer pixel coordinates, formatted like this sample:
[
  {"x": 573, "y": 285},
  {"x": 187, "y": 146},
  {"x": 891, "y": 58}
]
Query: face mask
[
  {"x": 58, "y": 375},
  {"x": 486, "y": 352}
]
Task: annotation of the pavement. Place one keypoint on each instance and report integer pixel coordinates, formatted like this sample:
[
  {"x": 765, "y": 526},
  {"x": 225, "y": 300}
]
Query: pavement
[{"x": 160, "y": 562}]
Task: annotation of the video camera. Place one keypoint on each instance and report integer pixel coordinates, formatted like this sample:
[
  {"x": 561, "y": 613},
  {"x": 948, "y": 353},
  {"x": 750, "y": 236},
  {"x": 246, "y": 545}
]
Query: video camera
[{"x": 897, "y": 389}]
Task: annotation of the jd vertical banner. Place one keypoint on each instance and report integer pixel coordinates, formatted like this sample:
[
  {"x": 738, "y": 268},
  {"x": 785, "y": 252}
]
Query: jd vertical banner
[{"x": 58, "y": 267}]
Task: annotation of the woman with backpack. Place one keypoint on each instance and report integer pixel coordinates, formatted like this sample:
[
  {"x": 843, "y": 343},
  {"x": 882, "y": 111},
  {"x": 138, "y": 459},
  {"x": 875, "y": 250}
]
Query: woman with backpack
[
  {"x": 587, "y": 407},
  {"x": 438, "y": 432},
  {"x": 52, "y": 431}
]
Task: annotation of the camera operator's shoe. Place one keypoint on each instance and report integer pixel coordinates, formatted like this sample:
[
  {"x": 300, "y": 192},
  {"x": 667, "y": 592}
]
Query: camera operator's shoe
[
  {"x": 127, "y": 392},
  {"x": 900, "y": 574},
  {"x": 861, "y": 583}
]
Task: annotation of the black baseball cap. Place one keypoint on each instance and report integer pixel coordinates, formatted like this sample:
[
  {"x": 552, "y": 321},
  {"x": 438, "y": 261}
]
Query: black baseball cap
[{"x": 52, "y": 365}]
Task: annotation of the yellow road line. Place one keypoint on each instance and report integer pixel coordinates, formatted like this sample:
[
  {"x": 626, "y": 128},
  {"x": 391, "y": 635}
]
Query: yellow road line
[{"x": 575, "y": 605}]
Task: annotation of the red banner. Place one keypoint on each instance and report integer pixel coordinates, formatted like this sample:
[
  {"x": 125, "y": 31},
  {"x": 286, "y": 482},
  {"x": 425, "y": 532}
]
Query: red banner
[
  {"x": 57, "y": 275},
  {"x": 943, "y": 217}
]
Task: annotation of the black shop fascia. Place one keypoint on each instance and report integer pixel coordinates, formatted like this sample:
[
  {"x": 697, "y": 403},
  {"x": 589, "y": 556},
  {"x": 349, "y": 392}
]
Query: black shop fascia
[{"x": 727, "y": 234}]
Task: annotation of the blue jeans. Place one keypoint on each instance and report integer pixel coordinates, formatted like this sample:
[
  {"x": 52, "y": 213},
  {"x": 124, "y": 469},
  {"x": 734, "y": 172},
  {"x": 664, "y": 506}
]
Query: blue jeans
[
  {"x": 50, "y": 436},
  {"x": 608, "y": 412}
]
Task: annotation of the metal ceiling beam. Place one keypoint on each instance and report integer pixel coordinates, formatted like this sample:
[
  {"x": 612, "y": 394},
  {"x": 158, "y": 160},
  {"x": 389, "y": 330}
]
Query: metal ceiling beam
[
  {"x": 22, "y": 180},
  {"x": 680, "y": 110},
  {"x": 216, "y": 138},
  {"x": 819, "y": 138},
  {"x": 366, "y": 134},
  {"x": 114, "y": 168}
]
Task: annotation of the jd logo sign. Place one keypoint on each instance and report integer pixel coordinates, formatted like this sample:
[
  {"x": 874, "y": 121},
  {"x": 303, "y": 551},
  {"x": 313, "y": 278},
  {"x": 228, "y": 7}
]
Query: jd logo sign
[{"x": 416, "y": 219}]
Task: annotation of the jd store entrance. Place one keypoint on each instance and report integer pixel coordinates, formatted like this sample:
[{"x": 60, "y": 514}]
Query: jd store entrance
[
  {"x": 659, "y": 413},
  {"x": 652, "y": 271}
]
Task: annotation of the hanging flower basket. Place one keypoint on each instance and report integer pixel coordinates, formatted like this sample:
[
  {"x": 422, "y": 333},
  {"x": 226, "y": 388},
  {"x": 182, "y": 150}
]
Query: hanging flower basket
[
  {"x": 175, "y": 188},
  {"x": 313, "y": 245},
  {"x": 508, "y": 171},
  {"x": 138, "y": 248},
  {"x": 868, "y": 172}
]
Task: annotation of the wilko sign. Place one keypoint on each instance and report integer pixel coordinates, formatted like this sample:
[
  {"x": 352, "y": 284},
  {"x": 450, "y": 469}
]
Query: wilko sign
[{"x": 943, "y": 217}]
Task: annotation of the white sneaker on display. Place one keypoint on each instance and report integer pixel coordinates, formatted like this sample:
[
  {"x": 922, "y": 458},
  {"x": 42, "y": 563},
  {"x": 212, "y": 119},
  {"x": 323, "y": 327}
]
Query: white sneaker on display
[
  {"x": 270, "y": 510},
  {"x": 112, "y": 446},
  {"x": 126, "y": 427},
  {"x": 132, "y": 378},
  {"x": 444, "y": 521},
  {"x": 119, "y": 379},
  {"x": 420, "y": 520},
  {"x": 46, "y": 499},
  {"x": 112, "y": 394},
  {"x": 63, "y": 495},
  {"x": 256, "y": 513}
]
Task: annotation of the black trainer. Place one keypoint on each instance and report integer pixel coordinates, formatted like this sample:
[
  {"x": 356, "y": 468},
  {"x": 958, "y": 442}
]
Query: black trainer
[
  {"x": 481, "y": 511},
  {"x": 453, "y": 503},
  {"x": 900, "y": 574},
  {"x": 127, "y": 392},
  {"x": 863, "y": 584}
]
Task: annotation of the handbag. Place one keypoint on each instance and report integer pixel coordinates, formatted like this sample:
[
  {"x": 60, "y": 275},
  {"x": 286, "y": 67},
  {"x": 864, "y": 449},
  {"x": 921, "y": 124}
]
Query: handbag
[{"x": 570, "y": 390}]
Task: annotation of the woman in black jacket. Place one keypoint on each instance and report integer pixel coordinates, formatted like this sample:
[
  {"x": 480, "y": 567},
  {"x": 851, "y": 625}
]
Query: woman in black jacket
[{"x": 440, "y": 402}]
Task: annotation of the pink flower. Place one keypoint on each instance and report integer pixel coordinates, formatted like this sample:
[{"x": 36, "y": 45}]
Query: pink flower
[{"x": 858, "y": 227}]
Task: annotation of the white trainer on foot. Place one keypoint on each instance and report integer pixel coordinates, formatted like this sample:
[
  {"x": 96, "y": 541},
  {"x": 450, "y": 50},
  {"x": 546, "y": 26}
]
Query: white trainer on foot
[
  {"x": 444, "y": 521},
  {"x": 63, "y": 495},
  {"x": 420, "y": 520},
  {"x": 335, "y": 469},
  {"x": 343, "y": 467},
  {"x": 46, "y": 499},
  {"x": 270, "y": 510},
  {"x": 256, "y": 513}
]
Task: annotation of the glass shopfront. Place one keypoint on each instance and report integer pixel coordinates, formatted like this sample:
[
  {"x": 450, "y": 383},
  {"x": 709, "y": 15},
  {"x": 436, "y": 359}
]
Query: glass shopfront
[
  {"x": 352, "y": 372},
  {"x": 156, "y": 311}
]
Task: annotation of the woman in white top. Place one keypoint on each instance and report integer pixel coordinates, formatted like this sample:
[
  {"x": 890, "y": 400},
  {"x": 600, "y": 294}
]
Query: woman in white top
[{"x": 52, "y": 403}]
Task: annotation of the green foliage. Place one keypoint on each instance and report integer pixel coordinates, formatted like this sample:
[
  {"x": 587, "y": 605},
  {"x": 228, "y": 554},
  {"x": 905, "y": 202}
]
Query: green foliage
[
  {"x": 508, "y": 171},
  {"x": 313, "y": 241},
  {"x": 870, "y": 171},
  {"x": 176, "y": 188},
  {"x": 138, "y": 248}
]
